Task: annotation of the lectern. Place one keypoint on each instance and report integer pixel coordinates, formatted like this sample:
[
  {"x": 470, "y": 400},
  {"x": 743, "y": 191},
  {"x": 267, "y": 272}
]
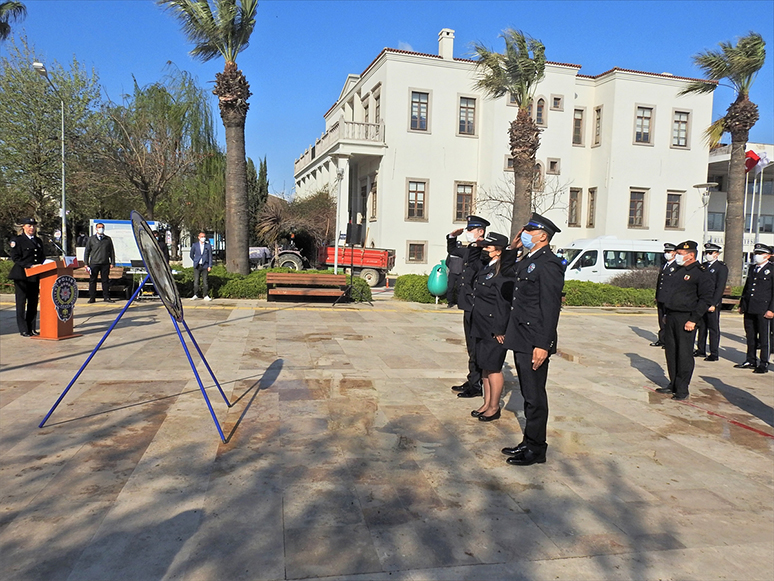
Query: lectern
[{"x": 58, "y": 292}]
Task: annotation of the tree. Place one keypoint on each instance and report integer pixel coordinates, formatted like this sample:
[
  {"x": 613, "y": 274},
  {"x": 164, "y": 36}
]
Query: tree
[
  {"x": 224, "y": 29},
  {"x": 738, "y": 65},
  {"x": 257, "y": 193},
  {"x": 516, "y": 73},
  {"x": 10, "y": 12}
]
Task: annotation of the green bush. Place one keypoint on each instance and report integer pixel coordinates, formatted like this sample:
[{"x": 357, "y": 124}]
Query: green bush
[
  {"x": 218, "y": 278},
  {"x": 592, "y": 294},
  {"x": 413, "y": 288},
  {"x": 6, "y": 284}
]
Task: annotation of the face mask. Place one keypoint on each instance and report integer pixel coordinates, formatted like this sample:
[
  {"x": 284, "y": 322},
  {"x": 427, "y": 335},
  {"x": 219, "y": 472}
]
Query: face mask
[
  {"x": 710, "y": 257},
  {"x": 526, "y": 240},
  {"x": 669, "y": 256},
  {"x": 760, "y": 258},
  {"x": 470, "y": 236},
  {"x": 485, "y": 257},
  {"x": 100, "y": 230},
  {"x": 680, "y": 259},
  {"x": 201, "y": 240}
]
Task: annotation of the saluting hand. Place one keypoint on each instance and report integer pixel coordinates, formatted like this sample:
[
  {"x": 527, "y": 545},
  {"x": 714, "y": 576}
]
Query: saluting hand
[
  {"x": 516, "y": 242},
  {"x": 457, "y": 232},
  {"x": 539, "y": 357}
]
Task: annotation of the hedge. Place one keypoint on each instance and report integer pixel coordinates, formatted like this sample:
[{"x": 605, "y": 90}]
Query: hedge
[
  {"x": 6, "y": 284},
  {"x": 413, "y": 288}
]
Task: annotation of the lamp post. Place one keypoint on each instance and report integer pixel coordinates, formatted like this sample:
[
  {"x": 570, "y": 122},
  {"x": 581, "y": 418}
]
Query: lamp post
[
  {"x": 705, "y": 198},
  {"x": 340, "y": 178},
  {"x": 41, "y": 70}
]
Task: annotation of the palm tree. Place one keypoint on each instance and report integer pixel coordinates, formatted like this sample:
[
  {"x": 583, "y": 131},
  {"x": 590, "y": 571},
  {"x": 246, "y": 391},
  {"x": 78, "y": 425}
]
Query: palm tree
[
  {"x": 10, "y": 11},
  {"x": 223, "y": 27},
  {"x": 738, "y": 65},
  {"x": 516, "y": 73}
]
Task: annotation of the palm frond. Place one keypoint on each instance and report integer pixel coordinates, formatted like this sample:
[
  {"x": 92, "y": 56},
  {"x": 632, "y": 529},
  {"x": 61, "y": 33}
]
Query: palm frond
[{"x": 714, "y": 133}]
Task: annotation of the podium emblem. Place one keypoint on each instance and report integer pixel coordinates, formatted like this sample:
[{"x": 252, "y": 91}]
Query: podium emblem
[{"x": 64, "y": 293}]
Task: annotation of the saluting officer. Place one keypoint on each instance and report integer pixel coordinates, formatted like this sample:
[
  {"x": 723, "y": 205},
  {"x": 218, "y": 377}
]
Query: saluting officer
[
  {"x": 662, "y": 289},
  {"x": 757, "y": 305},
  {"x": 531, "y": 333},
  {"x": 26, "y": 251},
  {"x": 689, "y": 298},
  {"x": 710, "y": 322},
  {"x": 471, "y": 264}
]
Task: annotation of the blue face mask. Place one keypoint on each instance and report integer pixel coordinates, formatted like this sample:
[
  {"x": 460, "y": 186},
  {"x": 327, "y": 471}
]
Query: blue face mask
[{"x": 526, "y": 240}]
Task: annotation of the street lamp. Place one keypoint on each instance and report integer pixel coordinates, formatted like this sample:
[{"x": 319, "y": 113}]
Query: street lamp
[
  {"x": 340, "y": 178},
  {"x": 41, "y": 70},
  {"x": 705, "y": 198}
]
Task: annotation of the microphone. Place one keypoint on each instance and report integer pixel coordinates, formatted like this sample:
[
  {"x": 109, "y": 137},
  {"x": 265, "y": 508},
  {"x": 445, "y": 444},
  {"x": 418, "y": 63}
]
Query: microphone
[{"x": 59, "y": 248}]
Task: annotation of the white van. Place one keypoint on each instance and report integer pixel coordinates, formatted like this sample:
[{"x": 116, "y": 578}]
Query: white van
[{"x": 600, "y": 259}]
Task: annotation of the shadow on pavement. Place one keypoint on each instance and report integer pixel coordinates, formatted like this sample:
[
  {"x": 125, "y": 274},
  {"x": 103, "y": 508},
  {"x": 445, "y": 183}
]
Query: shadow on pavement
[
  {"x": 743, "y": 400},
  {"x": 652, "y": 371}
]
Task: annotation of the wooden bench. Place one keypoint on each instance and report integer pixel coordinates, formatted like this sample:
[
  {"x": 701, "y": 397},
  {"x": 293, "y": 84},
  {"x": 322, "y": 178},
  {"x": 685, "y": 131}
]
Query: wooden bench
[
  {"x": 305, "y": 285},
  {"x": 117, "y": 278},
  {"x": 729, "y": 301}
]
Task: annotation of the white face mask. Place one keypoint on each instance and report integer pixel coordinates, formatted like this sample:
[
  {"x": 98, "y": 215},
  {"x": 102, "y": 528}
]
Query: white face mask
[
  {"x": 680, "y": 259},
  {"x": 470, "y": 236},
  {"x": 669, "y": 256},
  {"x": 201, "y": 240},
  {"x": 760, "y": 258},
  {"x": 100, "y": 230},
  {"x": 710, "y": 257}
]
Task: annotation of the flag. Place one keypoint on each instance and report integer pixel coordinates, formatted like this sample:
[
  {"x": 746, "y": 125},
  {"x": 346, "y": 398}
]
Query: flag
[
  {"x": 762, "y": 163},
  {"x": 751, "y": 159}
]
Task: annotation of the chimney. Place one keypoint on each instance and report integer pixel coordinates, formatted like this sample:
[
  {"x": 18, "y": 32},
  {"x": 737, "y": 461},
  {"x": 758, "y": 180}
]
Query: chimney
[{"x": 446, "y": 43}]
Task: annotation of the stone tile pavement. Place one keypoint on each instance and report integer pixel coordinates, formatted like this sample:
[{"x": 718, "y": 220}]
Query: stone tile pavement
[{"x": 348, "y": 457}]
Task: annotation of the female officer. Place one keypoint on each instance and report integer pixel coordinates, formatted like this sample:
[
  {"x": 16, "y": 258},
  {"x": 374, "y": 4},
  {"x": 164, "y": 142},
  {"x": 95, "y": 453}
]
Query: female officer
[{"x": 491, "y": 312}]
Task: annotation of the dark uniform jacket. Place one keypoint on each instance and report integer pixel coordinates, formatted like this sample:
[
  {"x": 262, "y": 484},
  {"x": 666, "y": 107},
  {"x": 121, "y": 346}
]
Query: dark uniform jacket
[
  {"x": 471, "y": 265},
  {"x": 718, "y": 272},
  {"x": 25, "y": 252},
  {"x": 758, "y": 293},
  {"x": 664, "y": 279},
  {"x": 691, "y": 290},
  {"x": 493, "y": 294},
  {"x": 537, "y": 300},
  {"x": 99, "y": 251},
  {"x": 454, "y": 260}
]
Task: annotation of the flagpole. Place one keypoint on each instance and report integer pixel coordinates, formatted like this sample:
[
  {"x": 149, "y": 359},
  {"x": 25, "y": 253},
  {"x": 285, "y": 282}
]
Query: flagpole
[
  {"x": 744, "y": 206},
  {"x": 760, "y": 197}
]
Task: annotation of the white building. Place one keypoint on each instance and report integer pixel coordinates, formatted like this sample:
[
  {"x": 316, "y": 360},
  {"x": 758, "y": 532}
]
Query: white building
[{"x": 418, "y": 148}]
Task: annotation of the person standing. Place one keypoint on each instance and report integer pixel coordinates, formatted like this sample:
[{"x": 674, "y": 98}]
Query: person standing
[
  {"x": 690, "y": 297},
  {"x": 454, "y": 264},
  {"x": 531, "y": 332},
  {"x": 662, "y": 289},
  {"x": 471, "y": 265},
  {"x": 26, "y": 251},
  {"x": 162, "y": 244},
  {"x": 710, "y": 322},
  {"x": 201, "y": 255},
  {"x": 99, "y": 255},
  {"x": 757, "y": 306}
]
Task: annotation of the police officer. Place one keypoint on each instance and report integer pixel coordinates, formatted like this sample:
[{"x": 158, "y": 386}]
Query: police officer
[
  {"x": 454, "y": 264},
  {"x": 689, "y": 298},
  {"x": 757, "y": 306},
  {"x": 710, "y": 322},
  {"x": 26, "y": 251},
  {"x": 531, "y": 333},
  {"x": 471, "y": 265},
  {"x": 662, "y": 289},
  {"x": 99, "y": 255}
]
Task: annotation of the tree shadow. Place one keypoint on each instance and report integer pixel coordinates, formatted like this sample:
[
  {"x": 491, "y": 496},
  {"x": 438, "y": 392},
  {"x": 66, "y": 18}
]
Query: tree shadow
[
  {"x": 744, "y": 400},
  {"x": 652, "y": 371}
]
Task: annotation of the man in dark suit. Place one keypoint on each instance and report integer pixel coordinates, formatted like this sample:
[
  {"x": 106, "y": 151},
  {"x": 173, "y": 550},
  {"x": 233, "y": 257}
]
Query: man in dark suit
[
  {"x": 531, "y": 333},
  {"x": 662, "y": 289},
  {"x": 757, "y": 306},
  {"x": 162, "y": 244},
  {"x": 99, "y": 255},
  {"x": 201, "y": 255},
  {"x": 26, "y": 251},
  {"x": 710, "y": 322},
  {"x": 471, "y": 265}
]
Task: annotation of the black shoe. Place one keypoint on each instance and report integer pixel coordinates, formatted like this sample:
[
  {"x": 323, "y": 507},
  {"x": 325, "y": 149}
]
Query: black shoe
[
  {"x": 515, "y": 450},
  {"x": 762, "y": 368},
  {"x": 108, "y": 300},
  {"x": 657, "y": 343},
  {"x": 34, "y": 333},
  {"x": 527, "y": 457},
  {"x": 680, "y": 397},
  {"x": 475, "y": 413},
  {"x": 711, "y": 358},
  {"x": 698, "y": 353},
  {"x": 745, "y": 365},
  {"x": 493, "y": 417},
  {"x": 468, "y": 393},
  {"x": 462, "y": 387},
  {"x": 25, "y": 334},
  {"x": 664, "y": 390},
  {"x": 451, "y": 305},
  {"x": 92, "y": 301}
]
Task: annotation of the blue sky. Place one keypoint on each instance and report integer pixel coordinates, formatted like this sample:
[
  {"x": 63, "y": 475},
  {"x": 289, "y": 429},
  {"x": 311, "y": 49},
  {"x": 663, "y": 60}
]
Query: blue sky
[{"x": 302, "y": 51}]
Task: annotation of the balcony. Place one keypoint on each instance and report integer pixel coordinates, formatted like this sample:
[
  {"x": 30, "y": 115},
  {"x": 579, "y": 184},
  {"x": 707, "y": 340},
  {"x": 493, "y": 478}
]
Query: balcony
[{"x": 341, "y": 132}]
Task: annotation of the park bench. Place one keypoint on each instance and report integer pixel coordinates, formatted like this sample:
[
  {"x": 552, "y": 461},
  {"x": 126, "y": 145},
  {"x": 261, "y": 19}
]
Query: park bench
[
  {"x": 117, "y": 278},
  {"x": 305, "y": 285},
  {"x": 729, "y": 301}
]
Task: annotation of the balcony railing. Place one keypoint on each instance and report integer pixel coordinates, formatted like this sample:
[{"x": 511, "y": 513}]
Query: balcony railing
[{"x": 341, "y": 131}]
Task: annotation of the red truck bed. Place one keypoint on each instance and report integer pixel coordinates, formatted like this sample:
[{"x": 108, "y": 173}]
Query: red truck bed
[{"x": 376, "y": 258}]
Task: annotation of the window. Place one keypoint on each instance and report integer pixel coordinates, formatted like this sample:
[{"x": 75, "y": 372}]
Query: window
[
  {"x": 557, "y": 103},
  {"x": 538, "y": 181},
  {"x": 419, "y": 110},
  {"x": 716, "y": 221},
  {"x": 467, "y": 116},
  {"x": 592, "y": 207},
  {"x": 554, "y": 166},
  {"x": 588, "y": 259},
  {"x": 766, "y": 223},
  {"x": 416, "y": 200},
  {"x": 508, "y": 163},
  {"x": 577, "y": 127},
  {"x": 417, "y": 251},
  {"x": 637, "y": 209},
  {"x": 597, "y": 125},
  {"x": 642, "y": 125},
  {"x": 540, "y": 112},
  {"x": 626, "y": 259},
  {"x": 512, "y": 100},
  {"x": 374, "y": 197},
  {"x": 673, "y": 211},
  {"x": 680, "y": 129},
  {"x": 365, "y": 113},
  {"x": 377, "y": 108},
  {"x": 464, "y": 202},
  {"x": 574, "y": 208}
]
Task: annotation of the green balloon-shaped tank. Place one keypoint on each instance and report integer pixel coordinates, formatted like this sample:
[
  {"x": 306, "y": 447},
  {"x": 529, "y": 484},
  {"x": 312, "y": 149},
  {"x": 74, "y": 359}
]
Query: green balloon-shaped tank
[{"x": 438, "y": 279}]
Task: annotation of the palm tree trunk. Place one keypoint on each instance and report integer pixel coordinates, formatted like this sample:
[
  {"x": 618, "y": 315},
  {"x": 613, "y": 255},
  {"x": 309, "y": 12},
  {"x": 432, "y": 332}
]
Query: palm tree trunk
[
  {"x": 524, "y": 142},
  {"x": 733, "y": 251},
  {"x": 237, "y": 243}
]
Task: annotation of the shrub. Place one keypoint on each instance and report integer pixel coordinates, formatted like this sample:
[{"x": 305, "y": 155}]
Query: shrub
[
  {"x": 413, "y": 288},
  {"x": 6, "y": 284},
  {"x": 592, "y": 294},
  {"x": 642, "y": 278}
]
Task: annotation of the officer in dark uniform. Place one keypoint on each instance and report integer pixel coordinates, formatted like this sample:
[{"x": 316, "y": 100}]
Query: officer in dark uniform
[
  {"x": 26, "y": 251},
  {"x": 689, "y": 298},
  {"x": 662, "y": 289},
  {"x": 471, "y": 265},
  {"x": 757, "y": 306},
  {"x": 99, "y": 255},
  {"x": 710, "y": 322},
  {"x": 531, "y": 333},
  {"x": 454, "y": 264}
]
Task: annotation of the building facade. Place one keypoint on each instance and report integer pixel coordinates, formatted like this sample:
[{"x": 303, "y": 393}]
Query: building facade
[{"x": 411, "y": 147}]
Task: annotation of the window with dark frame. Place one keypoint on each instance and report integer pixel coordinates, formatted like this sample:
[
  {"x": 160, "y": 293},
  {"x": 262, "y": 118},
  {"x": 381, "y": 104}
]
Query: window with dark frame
[
  {"x": 467, "y": 116},
  {"x": 419, "y": 109},
  {"x": 377, "y": 108},
  {"x": 464, "y": 205},
  {"x": 540, "y": 115},
  {"x": 365, "y": 113},
  {"x": 597, "y": 125},
  {"x": 574, "y": 208},
  {"x": 592, "y": 207},
  {"x": 416, "y": 252},
  {"x": 416, "y": 200},
  {"x": 673, "y": 211},
  {"x": 374, "y": 198},
  {"x": 642, "y": 125},
  {"x": 577, "y": 127},
  {"x": 636, "y": 209},
  {"x": 716, "y": 221},
  {"x": 556, "y": 103}
]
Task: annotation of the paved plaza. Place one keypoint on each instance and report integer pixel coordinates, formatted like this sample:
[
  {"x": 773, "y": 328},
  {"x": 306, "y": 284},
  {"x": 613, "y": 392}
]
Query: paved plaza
[{"x": 348, "y": 456}]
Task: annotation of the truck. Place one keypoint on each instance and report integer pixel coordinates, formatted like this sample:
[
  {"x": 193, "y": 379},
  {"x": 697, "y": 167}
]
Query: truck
[{"x": 370, "y": 264}]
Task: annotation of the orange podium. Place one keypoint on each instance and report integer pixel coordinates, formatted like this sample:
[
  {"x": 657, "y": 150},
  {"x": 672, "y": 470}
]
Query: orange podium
[{"x": 58, "y": 293}]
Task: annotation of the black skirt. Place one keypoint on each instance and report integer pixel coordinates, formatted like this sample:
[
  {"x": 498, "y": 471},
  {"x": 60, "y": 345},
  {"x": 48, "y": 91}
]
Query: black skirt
[{"x": 490, "y": 354}]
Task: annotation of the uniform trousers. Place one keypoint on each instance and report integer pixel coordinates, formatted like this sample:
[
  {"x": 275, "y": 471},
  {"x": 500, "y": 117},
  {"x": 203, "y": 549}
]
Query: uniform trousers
[
  {"x": 104, "y": 273},
  {"x": 679, "y": 351},
  {"x": 27, "y": 292},
  {"x": 758, "y": 333},
  {"x": 451, "y": 288},
  {"x": 533, "y": 390},
  {"x": 660, "y": 311},
  {"x": 474, "y": 371},
  {"x": 709, "y": 325}
]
